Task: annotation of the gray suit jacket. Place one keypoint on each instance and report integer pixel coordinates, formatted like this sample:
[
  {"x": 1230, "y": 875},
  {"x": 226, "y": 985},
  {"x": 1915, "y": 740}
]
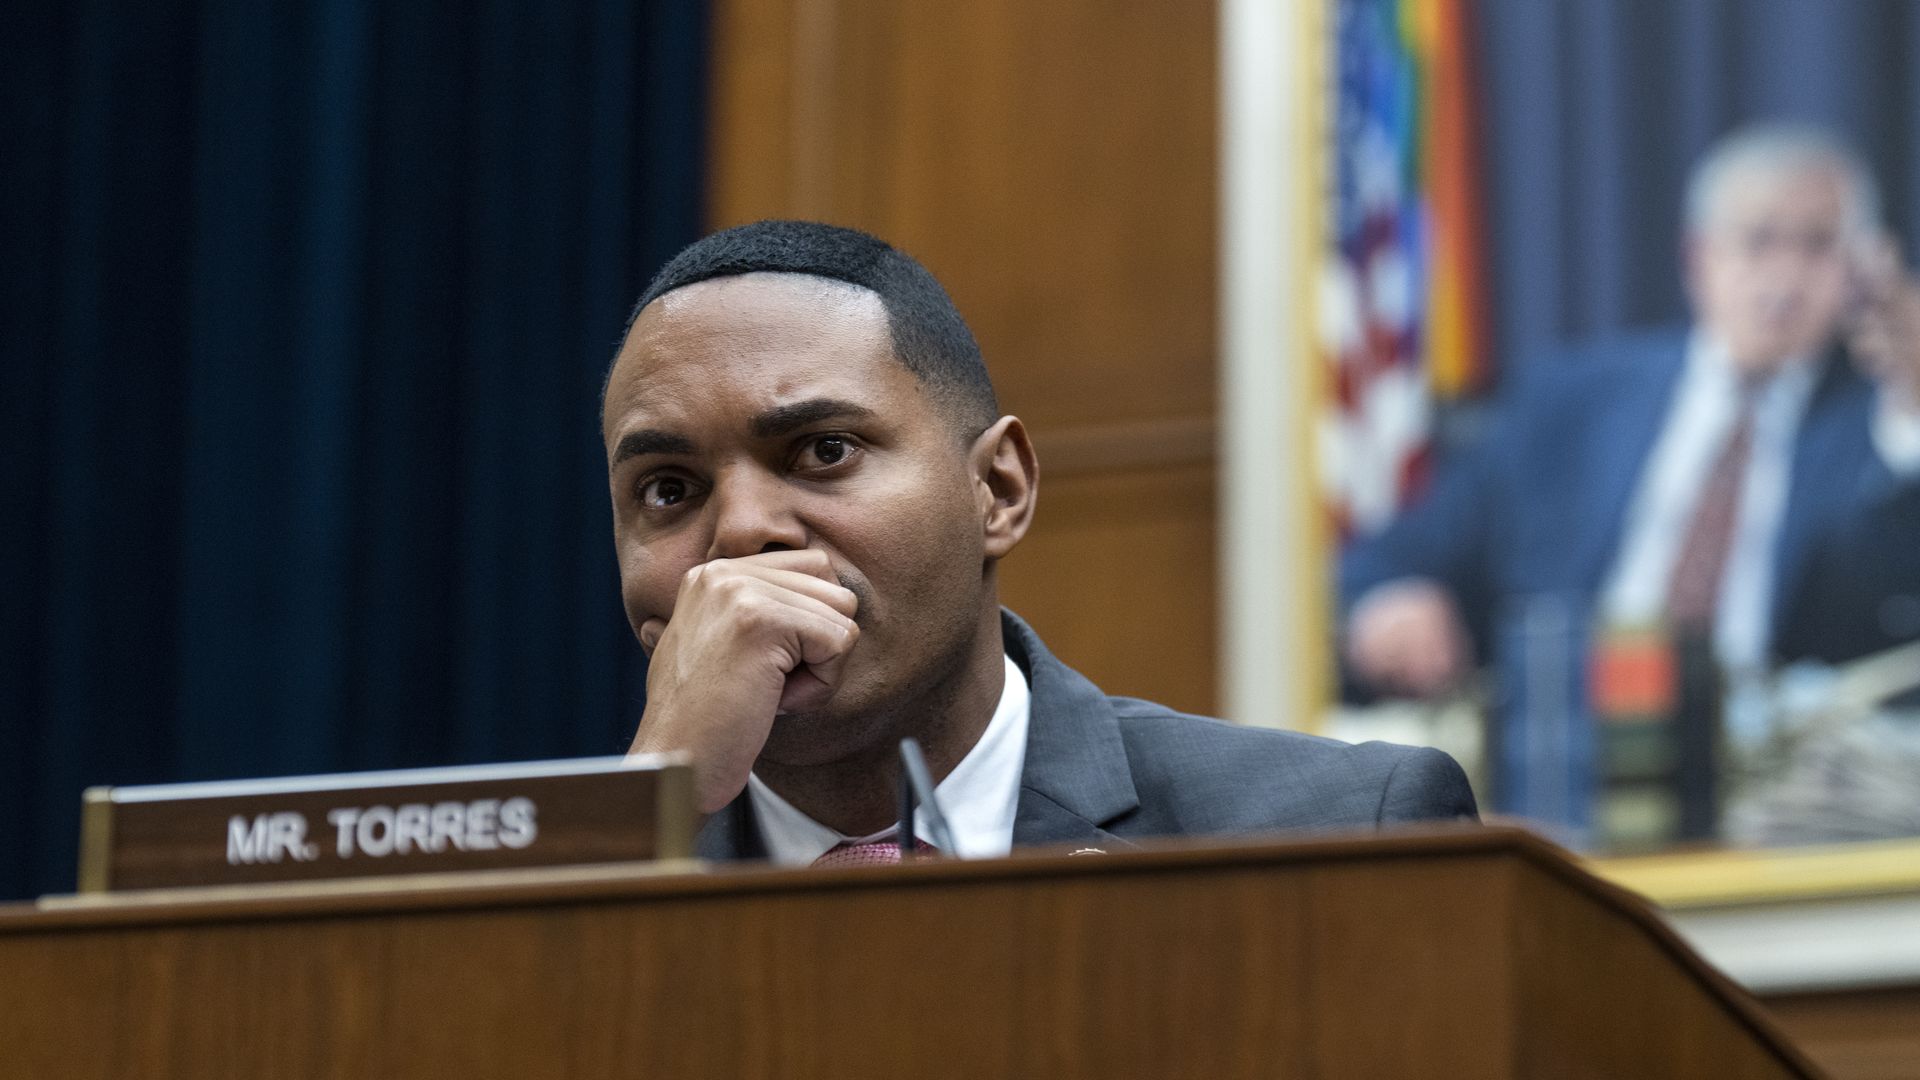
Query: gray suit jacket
[{"x": 1101, "y": 771}]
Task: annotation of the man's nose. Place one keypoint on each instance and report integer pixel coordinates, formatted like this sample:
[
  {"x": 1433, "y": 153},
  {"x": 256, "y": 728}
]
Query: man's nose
[{"x": 751, "y": 514}]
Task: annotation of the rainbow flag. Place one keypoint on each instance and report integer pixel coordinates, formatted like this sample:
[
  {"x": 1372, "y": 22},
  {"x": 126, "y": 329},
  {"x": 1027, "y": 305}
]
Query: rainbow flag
[{"x": 1402, "y": 308}]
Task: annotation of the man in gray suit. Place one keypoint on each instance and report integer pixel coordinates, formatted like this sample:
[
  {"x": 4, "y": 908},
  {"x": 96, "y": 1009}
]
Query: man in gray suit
[{"x": 812, "y": 487}]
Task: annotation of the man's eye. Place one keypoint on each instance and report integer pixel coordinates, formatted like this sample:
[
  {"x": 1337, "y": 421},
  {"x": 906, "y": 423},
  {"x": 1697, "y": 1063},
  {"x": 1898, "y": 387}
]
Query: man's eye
[
  {"x": 825, "y": 450},
  {"x": 660, "y": 492}
]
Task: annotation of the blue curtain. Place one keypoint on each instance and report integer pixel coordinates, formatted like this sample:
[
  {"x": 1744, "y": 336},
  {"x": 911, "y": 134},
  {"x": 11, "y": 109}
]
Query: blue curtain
[
  {"x": 1596, "y": 109},
  {"x": 305, "y": 312}
]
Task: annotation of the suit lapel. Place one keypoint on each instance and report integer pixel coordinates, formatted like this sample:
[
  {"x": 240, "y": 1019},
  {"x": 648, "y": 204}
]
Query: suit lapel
[
  {"x": 1076, "y": 781},
  {"x": 1041, "y": 821}
]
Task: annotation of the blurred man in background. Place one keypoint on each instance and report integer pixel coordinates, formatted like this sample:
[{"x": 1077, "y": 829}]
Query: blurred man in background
[{"x": 1747, "y": 480}]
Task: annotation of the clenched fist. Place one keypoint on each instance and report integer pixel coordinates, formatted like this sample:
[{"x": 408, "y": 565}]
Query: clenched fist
[
  {"x": 1407, "y": 637},
  {"x": 748, "y": 639}
]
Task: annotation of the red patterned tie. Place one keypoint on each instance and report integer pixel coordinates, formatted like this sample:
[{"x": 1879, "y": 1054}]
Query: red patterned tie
[
  {"x": 883, "y": 853},
  {"x": 1693, "y": 596}
]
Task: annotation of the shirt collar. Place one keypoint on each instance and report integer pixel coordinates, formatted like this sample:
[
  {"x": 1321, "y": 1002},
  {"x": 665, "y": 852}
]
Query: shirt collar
[
  {"x": 980, "y": 796},
  {"x": 1711, "y": 372}
]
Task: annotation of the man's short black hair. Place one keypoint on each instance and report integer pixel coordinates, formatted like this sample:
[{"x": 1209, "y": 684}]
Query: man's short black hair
[{"x": 929, "y": 336}]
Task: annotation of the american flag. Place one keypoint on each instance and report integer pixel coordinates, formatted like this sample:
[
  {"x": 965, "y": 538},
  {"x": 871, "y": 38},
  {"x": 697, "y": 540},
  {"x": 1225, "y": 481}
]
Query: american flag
[{"x": 1401, "y": 305}]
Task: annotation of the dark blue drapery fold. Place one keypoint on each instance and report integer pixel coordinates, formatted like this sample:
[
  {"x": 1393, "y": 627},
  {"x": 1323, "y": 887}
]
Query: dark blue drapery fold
[{"x": 301, "y": 337}]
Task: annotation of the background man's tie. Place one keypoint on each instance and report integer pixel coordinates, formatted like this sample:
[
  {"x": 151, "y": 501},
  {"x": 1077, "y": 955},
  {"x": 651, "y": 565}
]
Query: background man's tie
[
  {"x": 883, "y": 853},
  {"x": 1694, "y": 593}
]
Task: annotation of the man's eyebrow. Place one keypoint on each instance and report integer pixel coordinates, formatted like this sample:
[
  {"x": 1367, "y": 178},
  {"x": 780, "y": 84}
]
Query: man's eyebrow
[
  {"x": 788, "y": 418},
  {"x": 650, "y": 441}
]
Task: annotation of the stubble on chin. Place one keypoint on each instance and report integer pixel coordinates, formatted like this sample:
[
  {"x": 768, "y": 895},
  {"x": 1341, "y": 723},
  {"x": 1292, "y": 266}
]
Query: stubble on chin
[
  {"x": 866, "y": 718},
  {"x": 819, "y": 737}
]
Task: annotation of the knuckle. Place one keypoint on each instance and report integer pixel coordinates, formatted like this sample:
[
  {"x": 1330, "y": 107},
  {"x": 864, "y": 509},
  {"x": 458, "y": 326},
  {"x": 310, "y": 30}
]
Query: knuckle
[
  {"x": 752, "y": 610},
  {"x": 732, "y": 588}
]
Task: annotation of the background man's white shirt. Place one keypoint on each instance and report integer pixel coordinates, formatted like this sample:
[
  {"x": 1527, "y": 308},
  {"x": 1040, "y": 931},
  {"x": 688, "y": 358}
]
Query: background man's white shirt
[{"x": 1699, "y": 422}]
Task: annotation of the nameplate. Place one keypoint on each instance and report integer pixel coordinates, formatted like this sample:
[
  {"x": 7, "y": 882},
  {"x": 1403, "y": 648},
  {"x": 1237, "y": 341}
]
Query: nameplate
[{"x": 309, "y": 828}]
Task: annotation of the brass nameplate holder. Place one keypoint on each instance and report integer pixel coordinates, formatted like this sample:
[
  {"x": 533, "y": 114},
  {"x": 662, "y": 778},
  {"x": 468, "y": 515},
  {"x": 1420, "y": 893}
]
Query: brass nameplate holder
[{"x": 310, "y": 828}]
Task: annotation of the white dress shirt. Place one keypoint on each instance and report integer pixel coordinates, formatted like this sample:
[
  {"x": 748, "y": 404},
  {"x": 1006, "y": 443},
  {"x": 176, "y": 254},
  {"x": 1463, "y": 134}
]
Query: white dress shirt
[
  {"x": 979, "y": 797},
  {"x": 1699, "y": 422}
]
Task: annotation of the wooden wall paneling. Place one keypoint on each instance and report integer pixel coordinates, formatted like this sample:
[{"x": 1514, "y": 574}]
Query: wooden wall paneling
[
  {"x": 751, "y": 128},
  {"x": 1054, "y": 165},
  {"x": 1107, "y": 576},
  {"x": 1868, "y": 1033}
]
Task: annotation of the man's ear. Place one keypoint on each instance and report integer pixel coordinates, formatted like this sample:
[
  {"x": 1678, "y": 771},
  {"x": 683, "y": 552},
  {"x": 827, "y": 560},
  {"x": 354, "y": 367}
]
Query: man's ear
[{"x": 1006, "y": 481}]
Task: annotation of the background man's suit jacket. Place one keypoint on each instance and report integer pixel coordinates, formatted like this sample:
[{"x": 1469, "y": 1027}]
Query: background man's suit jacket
[
  {"x": 1540, "y": 505},
  {"x": 1101, "y": 771}
]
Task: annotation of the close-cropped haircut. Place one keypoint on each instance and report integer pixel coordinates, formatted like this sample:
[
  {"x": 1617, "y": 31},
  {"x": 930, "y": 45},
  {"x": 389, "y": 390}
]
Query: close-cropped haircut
[{"x": 928, "y": 334}]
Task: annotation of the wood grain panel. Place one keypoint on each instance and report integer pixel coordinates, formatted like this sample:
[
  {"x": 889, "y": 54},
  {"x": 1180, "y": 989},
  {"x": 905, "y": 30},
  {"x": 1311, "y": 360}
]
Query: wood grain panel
[
  {"x": 1417, "y": 954},
  {"x": 1614, "y": 1017},
  {"x": 1856, "y": 1034},
  {"x": 1130, "y": 447},
  {"x": 1117, "y": 577},
  {"x": 1053, "y": 164},
  {"x": 1346, "y": 910}
]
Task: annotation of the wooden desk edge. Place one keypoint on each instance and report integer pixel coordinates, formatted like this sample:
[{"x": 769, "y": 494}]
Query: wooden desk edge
[
  {"x": 691, "y": 877},
  {"x": 682, "y": 879}
]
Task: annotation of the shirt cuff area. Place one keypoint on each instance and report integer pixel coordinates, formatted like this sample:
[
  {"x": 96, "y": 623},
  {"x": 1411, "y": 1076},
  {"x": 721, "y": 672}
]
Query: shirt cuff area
[{"x": 1896, "y": 435}]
